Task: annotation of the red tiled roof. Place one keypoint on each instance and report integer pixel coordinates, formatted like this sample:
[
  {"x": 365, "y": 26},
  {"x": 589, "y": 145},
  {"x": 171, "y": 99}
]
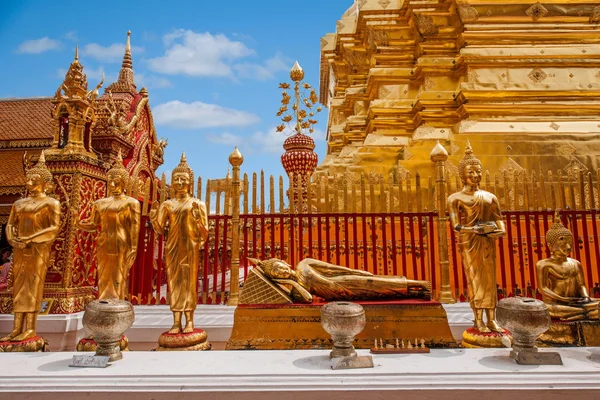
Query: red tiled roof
[
  {"x": 11, "y": 167},
  {"x": 26, "y": 119}
]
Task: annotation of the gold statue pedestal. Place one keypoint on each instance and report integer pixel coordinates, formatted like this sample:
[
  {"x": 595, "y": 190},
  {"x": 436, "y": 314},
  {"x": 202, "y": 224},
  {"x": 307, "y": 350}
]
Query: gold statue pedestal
[
  {"x": 298, "y": 326},
  {"x": 193, "y": 341},
  {"x": 89, "y": 344},
  {"x": 474, "y": 339},
  {"x": 31, "y": 345},
  {"x": 571, "y": 334}
]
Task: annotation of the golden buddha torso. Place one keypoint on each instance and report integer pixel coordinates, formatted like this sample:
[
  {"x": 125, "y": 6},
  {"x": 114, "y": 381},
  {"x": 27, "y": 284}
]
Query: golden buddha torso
[{"x": 563, "y": 280}]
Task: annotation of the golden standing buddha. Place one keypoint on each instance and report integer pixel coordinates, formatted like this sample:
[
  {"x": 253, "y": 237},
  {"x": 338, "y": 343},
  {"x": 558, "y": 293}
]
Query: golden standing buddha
[
  {"x": 32, "y": 227},
  {"x": 561, "y": 281},
  {"x": 333, "y": 282},
  {"x": 188, "y": 230},
  {"x": 475, "y": 215},
  {"x": 118, "y": 220}
]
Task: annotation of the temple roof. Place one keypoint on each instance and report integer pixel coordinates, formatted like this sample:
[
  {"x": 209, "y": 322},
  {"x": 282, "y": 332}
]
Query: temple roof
[
  {"x": 12, "y": 176},
  {"x": 26, "y": 119}
]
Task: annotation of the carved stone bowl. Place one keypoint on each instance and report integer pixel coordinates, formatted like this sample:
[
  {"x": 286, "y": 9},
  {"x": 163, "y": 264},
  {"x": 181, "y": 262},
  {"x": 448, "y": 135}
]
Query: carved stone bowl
[
  {"x": 525, "y": 318},
  {"x": 343, "y": 320},
  {"x": 107, "y": 320}
]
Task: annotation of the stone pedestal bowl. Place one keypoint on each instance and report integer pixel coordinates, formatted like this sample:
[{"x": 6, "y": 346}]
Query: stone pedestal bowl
[
  {"x": 343, "y": 321},
  {"x": 107, "y": 321},
  {"x": 525, "y": 318}
]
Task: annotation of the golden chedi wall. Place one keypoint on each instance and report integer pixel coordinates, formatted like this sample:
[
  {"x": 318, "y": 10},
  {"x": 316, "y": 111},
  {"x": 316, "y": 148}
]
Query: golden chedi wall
[{"x": 521, "y": 81}]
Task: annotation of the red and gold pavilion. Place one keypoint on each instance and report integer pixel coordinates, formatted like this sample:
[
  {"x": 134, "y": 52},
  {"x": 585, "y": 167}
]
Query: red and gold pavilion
[{"x": 82, "y": 134}]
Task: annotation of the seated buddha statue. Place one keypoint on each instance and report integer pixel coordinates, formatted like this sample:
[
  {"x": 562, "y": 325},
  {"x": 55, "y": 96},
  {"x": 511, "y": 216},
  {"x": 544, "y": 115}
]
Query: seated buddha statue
[
  {"x": 333, "y": 282},
  {"x": 561, "y": 281}
]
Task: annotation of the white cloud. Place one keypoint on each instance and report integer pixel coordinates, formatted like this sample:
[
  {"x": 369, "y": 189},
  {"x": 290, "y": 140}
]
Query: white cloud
[
  {"x": 95, "y": 74},
  {"x": 269, "y": 141},
  {"x": 265, "y": 71},
  {"x": 112, "y": 53},
  {"x": 152, "y": 81},
  {"x": 71, "y": 35},
  {"x": 198, "y": 54},
  {"x": 199, "y": 115},
  {"x": 225, "y": 138},
  {"x": 205, "y": 54},
  {"x": 37, "y": 46}
]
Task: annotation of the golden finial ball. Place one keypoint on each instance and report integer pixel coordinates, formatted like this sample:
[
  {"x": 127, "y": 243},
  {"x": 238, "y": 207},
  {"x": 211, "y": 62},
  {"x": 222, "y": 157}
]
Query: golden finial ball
[
  {"x": 235, "y": 158},
  {"x": 297, "y": 73}
]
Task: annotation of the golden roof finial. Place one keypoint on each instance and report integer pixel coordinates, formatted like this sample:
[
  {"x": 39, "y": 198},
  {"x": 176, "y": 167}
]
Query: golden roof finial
[
  {"x": 303, "y": 108},
  {"x": 235, "y": 158},
  {"x": 126, "y": 74},
  {"x": 75, "y": 83},
  {"x": 438, "y": 153},
  {"x": 297, "y": 73},
  {"x": 127, "y": 62}
]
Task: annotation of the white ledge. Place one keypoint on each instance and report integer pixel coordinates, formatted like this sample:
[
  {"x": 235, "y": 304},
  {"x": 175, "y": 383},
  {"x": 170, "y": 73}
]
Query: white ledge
[{"x": 452, "y": 373}]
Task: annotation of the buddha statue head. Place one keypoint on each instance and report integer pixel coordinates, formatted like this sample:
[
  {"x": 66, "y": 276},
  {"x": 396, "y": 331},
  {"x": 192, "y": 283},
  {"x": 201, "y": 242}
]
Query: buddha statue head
[
  {"x": 274, "y": 268},
  {"x": 182, "y": 178},
  {"x": 39, "y": 177},
  {"x": 469, "y": 168},
  {"x": 117, "y": 177},
  {"x": 559, "y": 238}
]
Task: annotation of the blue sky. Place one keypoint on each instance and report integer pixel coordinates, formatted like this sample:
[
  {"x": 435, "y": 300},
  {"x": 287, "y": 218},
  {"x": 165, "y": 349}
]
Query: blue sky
[{"x": 212, "y": 68}]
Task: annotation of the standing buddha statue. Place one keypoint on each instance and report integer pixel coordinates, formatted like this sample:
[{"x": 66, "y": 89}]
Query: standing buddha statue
[
  {"x": 32, "y": 227},
  {"x": 188, "y": 230},
  {"x": 476, "y": 218},
  {"x": 117, "y": 218}
]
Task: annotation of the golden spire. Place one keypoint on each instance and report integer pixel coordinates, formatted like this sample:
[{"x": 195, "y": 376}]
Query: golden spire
[
  {"x": 126, "y": 74},
  {"x": 127, "y": 63},
  {"x": 75, "y": 83}
]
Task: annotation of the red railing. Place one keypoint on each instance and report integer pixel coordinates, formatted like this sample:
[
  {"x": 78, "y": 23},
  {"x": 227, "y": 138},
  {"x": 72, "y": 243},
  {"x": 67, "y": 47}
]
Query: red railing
[
  {"x": 404, "y": 243},
  {"x": 525, "y": 244}
]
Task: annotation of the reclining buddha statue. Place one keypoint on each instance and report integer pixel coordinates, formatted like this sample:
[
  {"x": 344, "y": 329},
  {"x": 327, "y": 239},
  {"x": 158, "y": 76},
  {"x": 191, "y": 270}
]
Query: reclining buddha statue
[{"x": 333, "y": 282}]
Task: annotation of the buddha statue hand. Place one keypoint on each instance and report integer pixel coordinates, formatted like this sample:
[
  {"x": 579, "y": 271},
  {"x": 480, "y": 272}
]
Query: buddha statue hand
[
  {"x": 578, "y": 301},
  {"x": 18, "y": 243},
  {"x": 196, "y": 211},
  {"x": 486, "y": 228},
  {"x": 154, "y": 210},
  {"x": 131, "y": 256}
]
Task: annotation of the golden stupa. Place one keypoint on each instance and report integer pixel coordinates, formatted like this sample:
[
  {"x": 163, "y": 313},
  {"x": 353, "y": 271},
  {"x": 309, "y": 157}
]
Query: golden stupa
[{"x": 518, "y": 80}]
